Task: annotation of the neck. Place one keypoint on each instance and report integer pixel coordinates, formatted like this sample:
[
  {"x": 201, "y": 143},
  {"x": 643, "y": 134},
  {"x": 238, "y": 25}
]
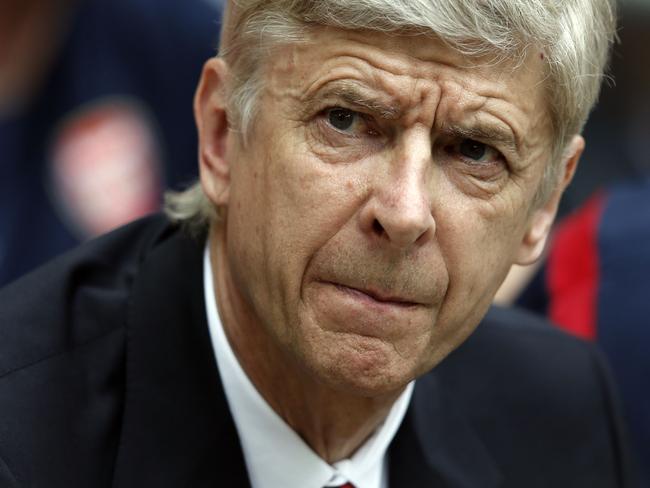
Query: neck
[{"x": 333, "y": 423}]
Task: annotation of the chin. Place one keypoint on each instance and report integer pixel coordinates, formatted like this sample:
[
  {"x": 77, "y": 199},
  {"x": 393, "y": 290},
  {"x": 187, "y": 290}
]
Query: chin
[{"x": 364, "y": 366}]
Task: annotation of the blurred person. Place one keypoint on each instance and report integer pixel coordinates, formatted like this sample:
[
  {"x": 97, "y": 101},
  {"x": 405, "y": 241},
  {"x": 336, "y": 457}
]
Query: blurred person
[
  {"x": 93, "y": 122},
  {"x": 306, "y": 315}
]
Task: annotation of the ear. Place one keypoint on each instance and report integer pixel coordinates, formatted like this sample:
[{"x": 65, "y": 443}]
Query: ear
[
  {"x": 213, "y": 128},
  {"x": 541, "y": 220}
]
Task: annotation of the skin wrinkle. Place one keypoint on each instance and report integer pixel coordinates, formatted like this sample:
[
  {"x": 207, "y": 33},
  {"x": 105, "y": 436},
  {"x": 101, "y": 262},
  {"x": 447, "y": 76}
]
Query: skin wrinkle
[
  {"x": 490, "y": 97},
  {"x": 512, "y": 144},
  {"x": 400, "y": 63},
  {"x": 476, "y": 106},
  {"x": 440, "y": 116},
  {"x": 523, "y": 145},
  {"x": 354, "y": 93}
]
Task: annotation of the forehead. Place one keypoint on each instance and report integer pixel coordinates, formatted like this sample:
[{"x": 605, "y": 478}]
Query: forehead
[
  {"x": 416, "y": 77},
  {"x": 420, "y": 56}
]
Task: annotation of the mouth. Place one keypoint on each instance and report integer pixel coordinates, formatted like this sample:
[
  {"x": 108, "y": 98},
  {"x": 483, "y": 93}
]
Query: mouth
[{"x": 375, "y": 296}]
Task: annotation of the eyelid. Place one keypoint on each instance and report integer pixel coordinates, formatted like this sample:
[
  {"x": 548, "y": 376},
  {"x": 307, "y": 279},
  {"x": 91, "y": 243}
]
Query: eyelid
[
  {"x": 452, "y": 148},
  {"x": 455, "y": 139},
  {"x": 494, "y": 138},
  {"x": 355, "y": 110},
  {"x": 360, "y": 97}
]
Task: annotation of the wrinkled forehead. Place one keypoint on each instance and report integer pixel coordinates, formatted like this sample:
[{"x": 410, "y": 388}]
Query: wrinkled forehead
[
  {"x": 392, "y": 62},
  {"x": 413, "y": 47}
]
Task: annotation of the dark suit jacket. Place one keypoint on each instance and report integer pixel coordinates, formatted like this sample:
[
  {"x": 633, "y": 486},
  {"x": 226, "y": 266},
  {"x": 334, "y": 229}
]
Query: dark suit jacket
[{"x": 107, "y": 378}]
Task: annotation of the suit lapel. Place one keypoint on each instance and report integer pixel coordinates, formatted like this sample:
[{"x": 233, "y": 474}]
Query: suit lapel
[
  {"x": 177, "y": 428},
  {"x": 437, "y": 447}
]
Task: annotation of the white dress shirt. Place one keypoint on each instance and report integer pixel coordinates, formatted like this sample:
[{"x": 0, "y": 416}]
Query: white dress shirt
[{"x": 276, "y": 457}]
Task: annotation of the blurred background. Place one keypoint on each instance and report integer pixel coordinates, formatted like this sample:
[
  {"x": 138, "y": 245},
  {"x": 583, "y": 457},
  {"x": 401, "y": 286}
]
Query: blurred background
[{"x": 95, "y": 116}]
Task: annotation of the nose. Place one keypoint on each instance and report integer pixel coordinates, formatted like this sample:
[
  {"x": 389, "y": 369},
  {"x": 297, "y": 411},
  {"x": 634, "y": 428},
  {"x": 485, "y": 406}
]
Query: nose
[{"x": 399, "y": 209}]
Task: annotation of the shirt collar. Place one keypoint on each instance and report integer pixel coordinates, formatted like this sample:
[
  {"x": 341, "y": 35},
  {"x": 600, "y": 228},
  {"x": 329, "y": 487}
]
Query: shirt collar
[{"x": 279, "y": 457}]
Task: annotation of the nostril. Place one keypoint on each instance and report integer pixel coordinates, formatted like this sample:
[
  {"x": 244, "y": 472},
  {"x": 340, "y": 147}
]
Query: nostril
[{"x": 377, "y": 228}]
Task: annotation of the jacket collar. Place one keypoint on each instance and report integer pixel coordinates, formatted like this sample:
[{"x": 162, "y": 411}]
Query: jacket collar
[
  {"x": 437, "y": 446},
  {"x": 177, "y": 428}
]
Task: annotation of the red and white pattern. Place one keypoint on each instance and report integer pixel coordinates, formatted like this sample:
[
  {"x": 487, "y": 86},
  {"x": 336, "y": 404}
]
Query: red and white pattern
[{"x": 105, "y": 166}]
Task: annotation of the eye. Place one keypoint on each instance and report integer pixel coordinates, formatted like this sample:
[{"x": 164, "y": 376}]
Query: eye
[
  {"x": 473, "y": 149},
  {"x": 338, "y": 128},
  {"x": 341, "y": 118}
]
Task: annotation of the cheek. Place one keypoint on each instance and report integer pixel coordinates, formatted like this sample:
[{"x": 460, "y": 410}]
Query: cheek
[
  {"x": 479, "y": 241},
  {"x": 309, "y": 202},
  {"x": 286, "y": 207}
]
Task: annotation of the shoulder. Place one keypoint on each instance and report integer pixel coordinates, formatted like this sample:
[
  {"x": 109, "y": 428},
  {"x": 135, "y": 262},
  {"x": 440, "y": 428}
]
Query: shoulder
[
  {"x": 63, "y": 331},
  {"x": 76, "y": 298},
  {"x": 515, "y": 355},
  {"x": 532, "y": 392}
]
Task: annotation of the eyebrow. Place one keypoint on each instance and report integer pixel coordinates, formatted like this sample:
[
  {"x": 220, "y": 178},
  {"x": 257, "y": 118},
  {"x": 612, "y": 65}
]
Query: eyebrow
[
  {"x": 487, "y": 134},
  {"x": 355, "y": 95}
]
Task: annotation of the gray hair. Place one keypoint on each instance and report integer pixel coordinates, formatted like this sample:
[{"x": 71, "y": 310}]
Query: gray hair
[{"x": 574, "y": 36}]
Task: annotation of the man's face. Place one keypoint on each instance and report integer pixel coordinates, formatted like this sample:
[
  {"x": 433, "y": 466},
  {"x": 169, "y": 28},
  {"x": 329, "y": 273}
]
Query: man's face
[{"x": 386, "y": 190}]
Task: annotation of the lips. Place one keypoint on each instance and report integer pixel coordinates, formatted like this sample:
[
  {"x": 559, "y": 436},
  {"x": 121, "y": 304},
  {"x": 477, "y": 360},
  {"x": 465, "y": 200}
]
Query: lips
[
  {"x": 377, "y": 296},
  {"x": 385, "y": 281}
]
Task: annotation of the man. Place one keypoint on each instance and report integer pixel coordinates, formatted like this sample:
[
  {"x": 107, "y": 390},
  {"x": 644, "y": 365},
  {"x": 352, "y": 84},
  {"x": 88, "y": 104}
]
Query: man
[{"x": 369, "y": 173}]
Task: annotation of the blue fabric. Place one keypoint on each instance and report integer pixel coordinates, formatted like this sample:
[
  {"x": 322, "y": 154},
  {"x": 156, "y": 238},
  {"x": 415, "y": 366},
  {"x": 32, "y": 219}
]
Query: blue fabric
[
  {"x": 147, "y": 50},
  {"x": 623, "y": 304}
]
